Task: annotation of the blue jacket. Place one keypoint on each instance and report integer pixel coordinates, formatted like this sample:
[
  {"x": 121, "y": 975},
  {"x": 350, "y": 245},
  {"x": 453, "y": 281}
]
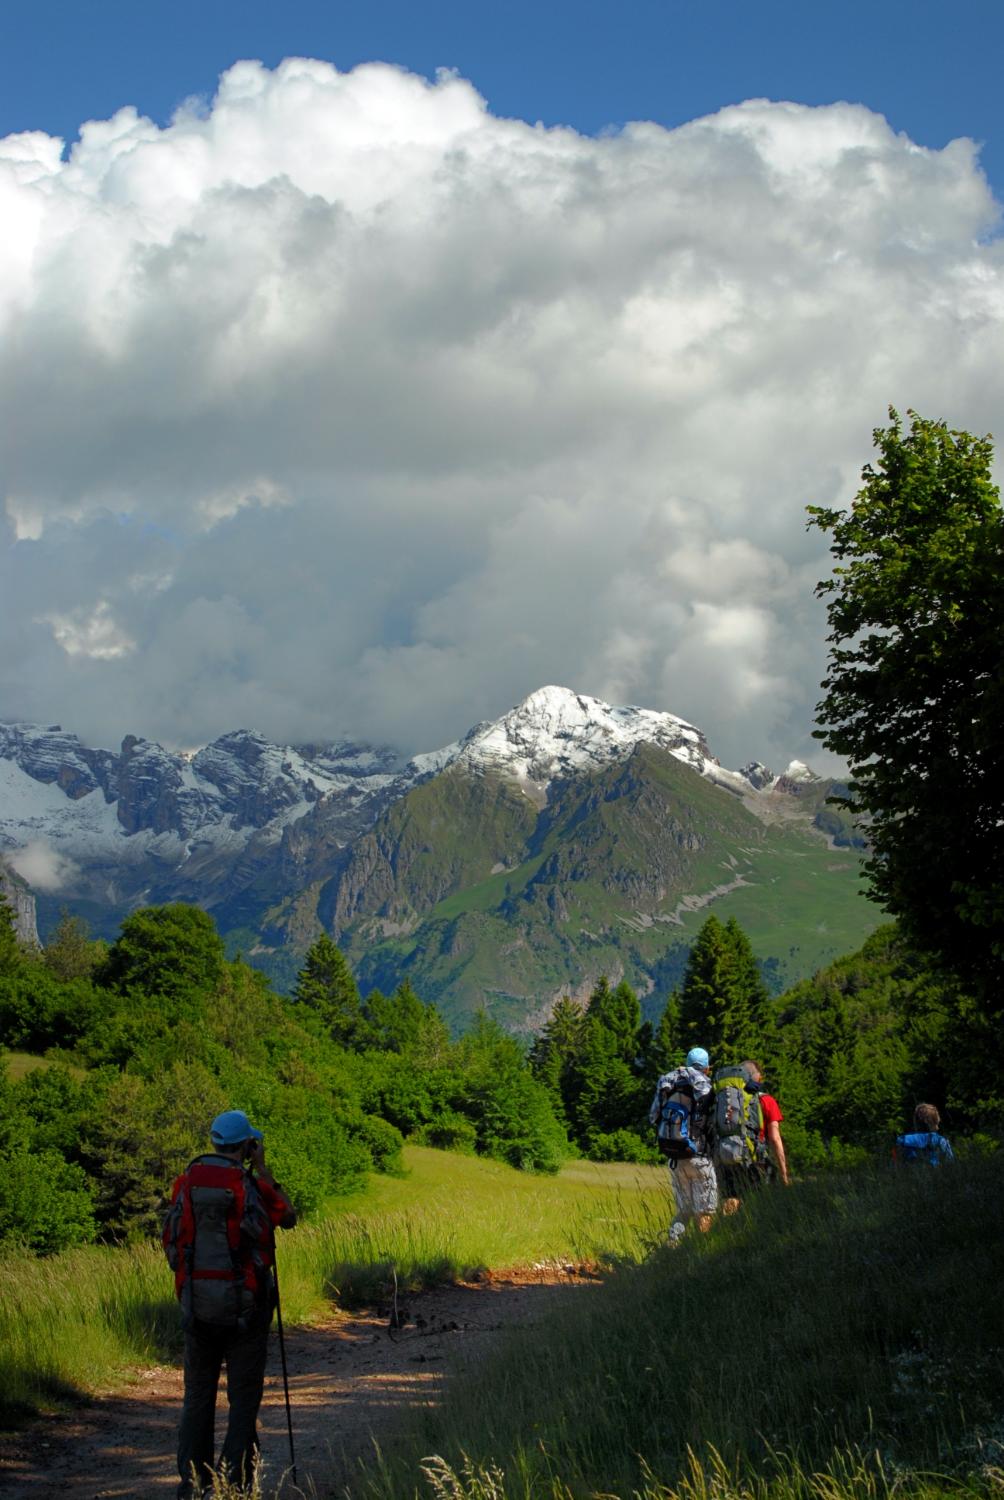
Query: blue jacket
[{"x": 924, "y": 1145}]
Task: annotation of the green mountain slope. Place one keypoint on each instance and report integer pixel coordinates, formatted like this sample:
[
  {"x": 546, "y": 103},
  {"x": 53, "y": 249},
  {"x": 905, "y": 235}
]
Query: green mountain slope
[{"x": 480, "y": 897}]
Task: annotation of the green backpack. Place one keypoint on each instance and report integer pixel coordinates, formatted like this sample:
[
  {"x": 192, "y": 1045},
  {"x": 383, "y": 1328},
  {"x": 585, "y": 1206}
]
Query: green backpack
[{"x": 737, "y": 1119}]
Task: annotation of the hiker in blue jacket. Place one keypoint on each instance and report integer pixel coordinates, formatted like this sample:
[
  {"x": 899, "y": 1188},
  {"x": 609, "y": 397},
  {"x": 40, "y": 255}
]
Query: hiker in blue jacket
[{"x": 923, "y": 1143}]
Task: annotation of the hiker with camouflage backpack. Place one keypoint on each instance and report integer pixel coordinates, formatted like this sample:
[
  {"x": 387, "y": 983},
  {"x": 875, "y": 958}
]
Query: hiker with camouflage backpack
[
  {"x": 219, "y": 1238},
  {"x": 746, "y": 1131},
  {"x": 681, "y": 1111}
]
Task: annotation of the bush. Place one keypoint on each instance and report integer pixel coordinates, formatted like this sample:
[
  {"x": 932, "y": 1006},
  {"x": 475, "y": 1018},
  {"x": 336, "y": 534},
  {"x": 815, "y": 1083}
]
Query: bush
[
  {"x": 449, "y": 1132},
  {"x": 46, "y": 1203},
  {"x": 621, "y": 1145},
  {"x": 383, "y": 1141}
]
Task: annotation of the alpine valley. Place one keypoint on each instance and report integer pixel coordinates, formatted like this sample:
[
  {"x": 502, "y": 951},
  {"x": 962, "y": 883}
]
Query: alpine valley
[{"x": 566, "y": 840}]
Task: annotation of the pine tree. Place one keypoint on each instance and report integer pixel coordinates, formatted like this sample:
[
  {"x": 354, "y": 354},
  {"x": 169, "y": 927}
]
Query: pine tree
[
  {"x": 667, "y": 1048},
  {"x": 619, "y": 1013},
  {"x": 723, "y": 1002},
  {"x": 751, "y": 1000},
  {"x": 604, "y": 1092},
  {"x": 326, "y": 985},
  {"x": 69, "y": 953},
  {"x": 404, "y": 1023},
  {"x": 554, "y": 1055}
]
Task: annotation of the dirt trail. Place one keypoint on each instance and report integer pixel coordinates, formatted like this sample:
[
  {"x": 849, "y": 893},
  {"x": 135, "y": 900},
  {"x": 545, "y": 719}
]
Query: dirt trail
[{"x": 352, "y": 1380}]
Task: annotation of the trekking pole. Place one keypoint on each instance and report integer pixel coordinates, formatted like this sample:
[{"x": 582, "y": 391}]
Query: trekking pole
[{"x": 282, "y": 1356}]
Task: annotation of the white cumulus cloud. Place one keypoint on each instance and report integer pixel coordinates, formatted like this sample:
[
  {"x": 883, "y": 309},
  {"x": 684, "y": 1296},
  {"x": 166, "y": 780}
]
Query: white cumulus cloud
[{"x": 342, "y": 406}]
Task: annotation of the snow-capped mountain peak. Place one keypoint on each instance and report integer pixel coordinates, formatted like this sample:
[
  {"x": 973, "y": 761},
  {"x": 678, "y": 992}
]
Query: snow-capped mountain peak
[
  {"x": 556, "y": 733},
  {"x": 147, "y": 823}
]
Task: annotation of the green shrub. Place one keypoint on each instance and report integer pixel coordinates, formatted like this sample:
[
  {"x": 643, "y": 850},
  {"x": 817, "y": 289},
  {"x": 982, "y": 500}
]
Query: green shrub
[
  {"x": 621, "y": 1145},
  {"x": 46, "y": 1203},
  {"x": 449, "y": 1132}
]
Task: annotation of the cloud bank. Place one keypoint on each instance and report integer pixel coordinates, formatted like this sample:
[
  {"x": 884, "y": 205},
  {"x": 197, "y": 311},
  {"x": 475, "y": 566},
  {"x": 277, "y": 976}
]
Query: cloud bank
[
  {"x": 341, "y": 407},
  {"x": 43, "y": 867}
]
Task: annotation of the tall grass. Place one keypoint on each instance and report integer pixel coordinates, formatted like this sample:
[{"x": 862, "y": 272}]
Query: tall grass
[
  {"x": 847, "y": 1476},
  {"x": 78, "y": 1322},
  {"x": 852, "y": 1316}
]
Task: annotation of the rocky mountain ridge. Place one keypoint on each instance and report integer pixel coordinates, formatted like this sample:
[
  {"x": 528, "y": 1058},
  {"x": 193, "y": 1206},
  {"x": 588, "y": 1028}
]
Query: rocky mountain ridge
[
  {"x": 85, "y": 803},
  {"x": 561, "y": 821}
]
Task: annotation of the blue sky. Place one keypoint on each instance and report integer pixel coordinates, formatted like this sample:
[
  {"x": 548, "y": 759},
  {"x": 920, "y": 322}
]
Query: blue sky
[
  {"x": 932, "y": 68},
  {"x": 413, "y": 407}
]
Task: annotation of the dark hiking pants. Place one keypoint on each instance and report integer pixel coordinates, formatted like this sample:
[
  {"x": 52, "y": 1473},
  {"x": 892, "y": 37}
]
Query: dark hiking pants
[
  {"x": 736, "y": 1182},
  {"x": 206, "y": 1350}
]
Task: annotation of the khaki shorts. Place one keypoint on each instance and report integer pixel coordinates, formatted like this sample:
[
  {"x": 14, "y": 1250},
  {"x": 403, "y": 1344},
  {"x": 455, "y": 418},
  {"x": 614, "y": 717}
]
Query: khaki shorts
[{"x": 695, "y": 1191}]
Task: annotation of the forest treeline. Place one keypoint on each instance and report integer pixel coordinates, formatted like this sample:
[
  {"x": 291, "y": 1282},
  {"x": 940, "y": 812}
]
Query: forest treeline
[{"x": 146, "y": 1039}]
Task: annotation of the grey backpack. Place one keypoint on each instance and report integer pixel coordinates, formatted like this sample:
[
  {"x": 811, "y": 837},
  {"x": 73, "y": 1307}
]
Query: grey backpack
[{"x": 737, "y": 1120}]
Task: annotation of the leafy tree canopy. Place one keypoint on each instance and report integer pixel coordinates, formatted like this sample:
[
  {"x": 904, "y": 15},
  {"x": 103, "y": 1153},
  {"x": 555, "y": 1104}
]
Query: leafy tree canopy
[
  {"x": 165, "y": 950},
  {"x": 914, "y": 696}
]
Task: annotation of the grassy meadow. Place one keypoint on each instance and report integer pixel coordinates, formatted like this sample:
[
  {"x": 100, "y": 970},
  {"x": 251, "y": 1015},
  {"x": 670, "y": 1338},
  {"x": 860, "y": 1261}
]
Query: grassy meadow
[
  {"x": 840, "y": 1341},
  {"x": 82, "y": 1320},
  {"x": 844, "y": 1339}
]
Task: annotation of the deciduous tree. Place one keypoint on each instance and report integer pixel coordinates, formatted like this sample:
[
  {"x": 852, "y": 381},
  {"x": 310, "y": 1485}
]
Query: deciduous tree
[{"x": 914, "y": 695}]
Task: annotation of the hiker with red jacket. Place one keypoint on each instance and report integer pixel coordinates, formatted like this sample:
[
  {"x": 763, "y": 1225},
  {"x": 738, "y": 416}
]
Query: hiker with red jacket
[{"x": 219, "y": 1237}]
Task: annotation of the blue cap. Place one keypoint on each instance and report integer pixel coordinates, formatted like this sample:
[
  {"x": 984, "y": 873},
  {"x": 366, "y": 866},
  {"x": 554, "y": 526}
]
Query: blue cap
[
  {"x": 697, "y": 1057},
  {"x": 232, "y": 1127}
]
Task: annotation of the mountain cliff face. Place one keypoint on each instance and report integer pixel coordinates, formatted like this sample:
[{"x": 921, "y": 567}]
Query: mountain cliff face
[
  {"x": 148, "y": 824},
  {"x": 565, "y": 839},
  {"x": 22, "y": 904}
]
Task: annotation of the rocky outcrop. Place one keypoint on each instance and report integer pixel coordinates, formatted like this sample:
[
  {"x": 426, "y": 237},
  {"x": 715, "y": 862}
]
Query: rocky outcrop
[
  {"x": 53, "y": 756},
  {"x": 22, "y": 903},
  {"x": 757, "y": 774}
]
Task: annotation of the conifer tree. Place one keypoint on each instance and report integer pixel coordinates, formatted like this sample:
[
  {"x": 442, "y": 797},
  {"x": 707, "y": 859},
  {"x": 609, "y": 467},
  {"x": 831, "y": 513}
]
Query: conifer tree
[
  {"x": 554, "y": 1055},
  {"x": 666, "y": 1051},
  {"x": 604, "y": 1092},
  {"x": 619, "y": 1013},
  {"x": 69, "y": 953},
  {"x": 750, "y": 1036},
  {"x": 326, "y": 984},
  {"x": 404, "y": 1023},
  {"x": 723, "y": 999}
]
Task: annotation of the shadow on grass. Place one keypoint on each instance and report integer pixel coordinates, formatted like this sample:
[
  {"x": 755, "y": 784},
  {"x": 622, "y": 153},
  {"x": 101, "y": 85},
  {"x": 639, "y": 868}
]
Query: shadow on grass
[
  {"x": 26, "y": 1391},
  {"x": 149, "y": 1327}
]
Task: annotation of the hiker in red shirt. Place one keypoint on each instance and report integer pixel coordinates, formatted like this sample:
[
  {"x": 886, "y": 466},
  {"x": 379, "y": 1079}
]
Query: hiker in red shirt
[
  {"x": 771, "y": 1131},
  {"x": 219, "y": 1237},
  {"x": 737, "y": 1178}
]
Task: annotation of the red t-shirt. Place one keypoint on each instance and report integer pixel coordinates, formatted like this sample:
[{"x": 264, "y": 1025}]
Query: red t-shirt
[{"x": 771, "y": 1113}]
